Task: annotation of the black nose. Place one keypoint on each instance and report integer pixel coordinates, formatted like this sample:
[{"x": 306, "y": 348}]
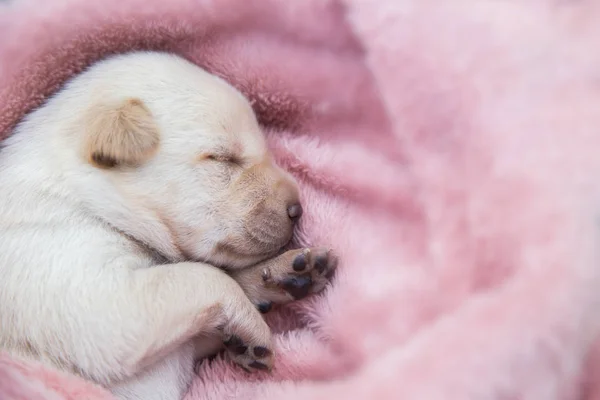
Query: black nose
[{"x": 295, "y": 211}]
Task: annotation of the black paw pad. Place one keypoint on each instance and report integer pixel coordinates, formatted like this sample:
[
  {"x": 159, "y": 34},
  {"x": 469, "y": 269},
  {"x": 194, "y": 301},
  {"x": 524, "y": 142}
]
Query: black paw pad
[
  {"x": 330, "y": 274},
  {"x": 297, "y": 286},
  {"x": 321, "y": 262},
  {"x": 299, "y": 263},
  {"x": 235, "y": 345},
  {"x": 258, "y": 365},
  {"x": 261, "y": 352},
  {"x": 265, "y": 307}
]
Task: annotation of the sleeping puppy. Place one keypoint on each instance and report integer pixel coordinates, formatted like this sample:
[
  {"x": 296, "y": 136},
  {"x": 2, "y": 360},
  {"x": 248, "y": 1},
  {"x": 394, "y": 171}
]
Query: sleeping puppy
[{"x": 141, "y": 224}]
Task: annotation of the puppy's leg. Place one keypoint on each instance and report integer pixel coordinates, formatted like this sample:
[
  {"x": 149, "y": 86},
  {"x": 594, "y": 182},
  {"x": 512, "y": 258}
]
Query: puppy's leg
[
  {"x": 291, "y": 276},
  {"x": 178, "y": 302},
  {"x": 168, "y": 379},
  {"x": 139, "y": 317}
]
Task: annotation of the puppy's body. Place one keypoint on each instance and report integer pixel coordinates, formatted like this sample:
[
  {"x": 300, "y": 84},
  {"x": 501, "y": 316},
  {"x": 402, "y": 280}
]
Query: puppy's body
[{"x": 121, "y": 197}]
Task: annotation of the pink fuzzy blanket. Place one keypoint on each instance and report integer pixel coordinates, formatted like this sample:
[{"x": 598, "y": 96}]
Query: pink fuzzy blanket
[{"x": 447, "y": 149}]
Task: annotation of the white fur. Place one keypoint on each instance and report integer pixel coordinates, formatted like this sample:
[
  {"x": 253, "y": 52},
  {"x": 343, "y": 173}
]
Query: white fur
[{"x": 109, "y": 274}]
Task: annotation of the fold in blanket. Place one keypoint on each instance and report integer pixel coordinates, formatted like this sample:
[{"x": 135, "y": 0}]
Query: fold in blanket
[{"x": 447, "y": 150}]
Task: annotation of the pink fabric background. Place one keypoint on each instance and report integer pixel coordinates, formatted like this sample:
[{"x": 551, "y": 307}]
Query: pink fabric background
[{"x": 446, "y": 149}]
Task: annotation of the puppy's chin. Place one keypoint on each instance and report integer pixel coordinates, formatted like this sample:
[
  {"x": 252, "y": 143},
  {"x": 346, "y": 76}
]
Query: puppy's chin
[
  {"x": 233, "y": 262},
  {"x": 241, "y": 253},
  {"x": 231, "y": 248}
]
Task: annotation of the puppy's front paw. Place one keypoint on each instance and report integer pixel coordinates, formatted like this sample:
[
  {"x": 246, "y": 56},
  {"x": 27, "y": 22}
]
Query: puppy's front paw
[
  {"x": 310, "y": 271},
  {"x": 291, "y": 276}
]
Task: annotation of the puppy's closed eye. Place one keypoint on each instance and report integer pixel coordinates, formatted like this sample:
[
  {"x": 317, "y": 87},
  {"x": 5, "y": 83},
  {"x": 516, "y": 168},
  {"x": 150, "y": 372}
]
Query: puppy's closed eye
[{"x": 223, "y": 158}]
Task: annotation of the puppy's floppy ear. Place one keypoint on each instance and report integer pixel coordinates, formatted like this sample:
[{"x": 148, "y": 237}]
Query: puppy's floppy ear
[{"x": 121, "y": 134}]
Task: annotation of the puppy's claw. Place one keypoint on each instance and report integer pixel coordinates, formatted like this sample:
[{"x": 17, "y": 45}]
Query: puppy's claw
[{"x": 266, "y": 274}]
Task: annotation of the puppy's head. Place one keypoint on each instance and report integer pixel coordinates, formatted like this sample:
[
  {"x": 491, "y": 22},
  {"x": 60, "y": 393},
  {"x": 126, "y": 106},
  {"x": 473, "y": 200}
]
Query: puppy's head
[{"x": 181, "y": 152}]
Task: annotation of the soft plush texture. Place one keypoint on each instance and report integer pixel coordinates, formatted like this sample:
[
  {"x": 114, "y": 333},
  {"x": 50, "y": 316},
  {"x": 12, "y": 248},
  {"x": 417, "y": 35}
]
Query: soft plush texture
[{"x": 446, "y": 149}]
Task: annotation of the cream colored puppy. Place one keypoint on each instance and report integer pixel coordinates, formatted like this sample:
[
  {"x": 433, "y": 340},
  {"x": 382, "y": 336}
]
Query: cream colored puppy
[{"x": 141, "y": 220}]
